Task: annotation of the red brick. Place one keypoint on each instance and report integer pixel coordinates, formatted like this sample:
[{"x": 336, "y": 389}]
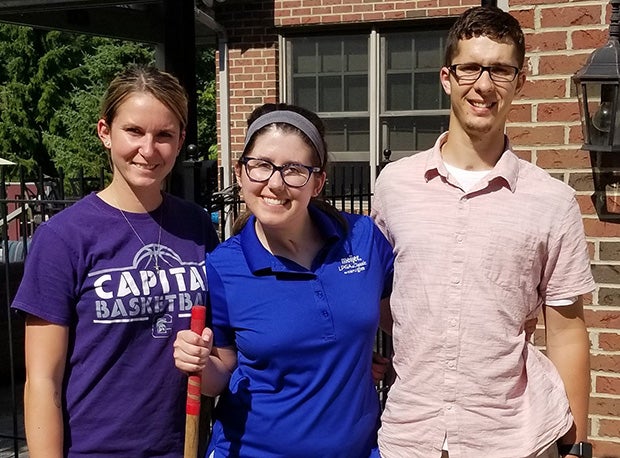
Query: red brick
[
  {"x": 450, "y": 3},
  {"x": 604, "y": 406},
  {"x": 591, "y": 247},
  {"x": 596, "y": 228},
  {"x": 384, "y": 6},
  {"x": 602, "y": 319},
  {"x": 299, "y": 12},
  {"x": 562, "y": 158},
  {"x": 608, "y": 428},
  {"x": 570, "y": 16},
  {"x": 586, "y": 205},
  {"x": 520, "y": 112},
  {"x": 564, "y": 65},
  {"x": 525, "y": 18},
  {"x": 610, "y": 342},
  {"x": 514, "y": 3},
  {"x": 394, "y": 15},
  {"x": 425, "y": 4},
  {"x": 343, "y": 9},
  {"x": 371, "y": 17},
  {"x": 413, "y": 14},
  {"x": 545, "y": 41},
  {"x": 558, "y": 111},
  {"x": 322, "y": 10},
  {"x": 289, "y": 4},
  {"x": 543, "y": 89},
  {"x": 536, "y": 135},
  {"x": 605, "y": 449},
  {"x": 589, "y": 39},
  {"x": 605, "y": 363},
  {"x": 284, "y": 22},
  {"x": 526, "y": 155},
  {"x": 607, "y": 385},
  {"x": 575, "y": 135}
]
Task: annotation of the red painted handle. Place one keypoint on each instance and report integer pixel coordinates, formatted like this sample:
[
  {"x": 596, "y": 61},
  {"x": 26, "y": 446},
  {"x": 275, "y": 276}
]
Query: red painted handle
[{"x": 197, "y": 324}]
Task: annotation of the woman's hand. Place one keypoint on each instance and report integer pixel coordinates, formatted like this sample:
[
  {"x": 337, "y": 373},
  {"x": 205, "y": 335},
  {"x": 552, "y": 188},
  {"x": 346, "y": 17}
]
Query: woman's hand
[{"x": 191, "y": 350}]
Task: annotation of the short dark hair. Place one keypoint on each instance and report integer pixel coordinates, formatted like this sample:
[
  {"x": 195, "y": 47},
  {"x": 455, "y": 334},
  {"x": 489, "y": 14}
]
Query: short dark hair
[{"x": 488, "y": 21}]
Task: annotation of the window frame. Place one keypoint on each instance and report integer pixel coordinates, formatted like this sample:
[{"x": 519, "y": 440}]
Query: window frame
[{"x": 377, "y": 87}]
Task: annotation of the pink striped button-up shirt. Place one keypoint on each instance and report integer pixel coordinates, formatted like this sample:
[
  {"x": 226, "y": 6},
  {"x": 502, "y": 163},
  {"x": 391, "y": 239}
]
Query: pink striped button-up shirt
[{"x": 471, "y": 268}]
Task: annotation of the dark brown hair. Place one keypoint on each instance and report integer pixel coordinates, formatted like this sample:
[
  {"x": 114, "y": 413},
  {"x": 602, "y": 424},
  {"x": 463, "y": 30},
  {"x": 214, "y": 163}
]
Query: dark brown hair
[
  {"x": 487, "y": 21},
  {"x": 319, "y": 201}
]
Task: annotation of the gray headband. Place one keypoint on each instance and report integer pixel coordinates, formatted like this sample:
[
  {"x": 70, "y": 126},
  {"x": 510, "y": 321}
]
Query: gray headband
[{"x": 294, "y": 119}]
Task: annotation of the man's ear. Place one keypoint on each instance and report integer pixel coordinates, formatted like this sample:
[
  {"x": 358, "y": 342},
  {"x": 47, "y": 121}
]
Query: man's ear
[{"x": 444, "y": 77}]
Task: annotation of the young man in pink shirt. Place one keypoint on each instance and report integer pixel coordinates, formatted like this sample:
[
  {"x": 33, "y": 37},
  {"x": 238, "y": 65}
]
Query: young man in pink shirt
[{"x": 483, "y": 241}]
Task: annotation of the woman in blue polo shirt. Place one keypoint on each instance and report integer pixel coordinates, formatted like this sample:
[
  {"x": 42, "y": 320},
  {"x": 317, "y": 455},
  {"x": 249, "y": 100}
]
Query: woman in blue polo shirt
[{"x": 295, "y": 302}]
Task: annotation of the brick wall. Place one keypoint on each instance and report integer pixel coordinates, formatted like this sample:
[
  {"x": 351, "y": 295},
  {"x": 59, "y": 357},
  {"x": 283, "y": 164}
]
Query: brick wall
[
  {"x": 543, "y": 125},
  {"x": 545, "y": 128}
]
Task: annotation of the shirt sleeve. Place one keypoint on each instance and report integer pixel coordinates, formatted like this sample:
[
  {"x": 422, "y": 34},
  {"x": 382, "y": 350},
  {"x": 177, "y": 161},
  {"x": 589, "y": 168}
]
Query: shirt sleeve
[
  {"x": 223, "y": 334},
  {"x": 386, "y": 255},
  {"x": 48, "y": 287},
  {"x": 567, "y": 271}
]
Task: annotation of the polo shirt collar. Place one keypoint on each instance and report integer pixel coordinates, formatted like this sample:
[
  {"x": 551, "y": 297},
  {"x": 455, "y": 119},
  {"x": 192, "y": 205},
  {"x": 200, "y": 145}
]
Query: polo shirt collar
[
  {"x": 506, "y": 169},
  {"x": 262, "y": 262}
]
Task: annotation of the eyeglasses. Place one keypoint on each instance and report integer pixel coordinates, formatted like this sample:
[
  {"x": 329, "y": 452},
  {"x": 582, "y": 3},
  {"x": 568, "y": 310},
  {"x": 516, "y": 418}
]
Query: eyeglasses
[
  {"x": 293, "y": 175},
  {"x": 470, "y": 73}
]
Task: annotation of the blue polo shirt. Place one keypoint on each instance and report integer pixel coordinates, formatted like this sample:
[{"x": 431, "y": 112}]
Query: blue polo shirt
[{"x": 303, "y": 385}]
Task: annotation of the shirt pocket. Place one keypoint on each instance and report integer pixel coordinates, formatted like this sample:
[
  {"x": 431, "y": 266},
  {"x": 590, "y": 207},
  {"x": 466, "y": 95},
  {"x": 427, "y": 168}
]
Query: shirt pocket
[{"x": 509, "y": 259}]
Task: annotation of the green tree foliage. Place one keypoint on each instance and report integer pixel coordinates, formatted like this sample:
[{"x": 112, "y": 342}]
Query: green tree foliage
[
  {"x": 51, "y": 84},
  {"x": 37, "y": 71},
  {"x": 206, "y": 101}
]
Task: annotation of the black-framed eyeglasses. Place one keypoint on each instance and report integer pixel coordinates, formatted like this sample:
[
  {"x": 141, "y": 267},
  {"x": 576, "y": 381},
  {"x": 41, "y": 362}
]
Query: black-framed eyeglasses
[
  {"x": 469, "y": 73},
  {"x": 293, "y": 175}
]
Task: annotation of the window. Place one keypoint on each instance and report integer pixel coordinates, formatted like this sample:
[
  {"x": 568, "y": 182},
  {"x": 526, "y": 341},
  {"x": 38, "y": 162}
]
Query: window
[
  {"x": 374, "y": 92},
  {"x": 329, "y": 75},
  {"x": 413, "y": 106}
]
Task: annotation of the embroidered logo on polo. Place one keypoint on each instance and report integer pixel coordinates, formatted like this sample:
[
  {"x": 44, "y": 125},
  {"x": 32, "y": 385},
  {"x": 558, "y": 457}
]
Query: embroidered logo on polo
[
  {"x": 140, "y": 293},
  {"x": 353, "y": 264}
]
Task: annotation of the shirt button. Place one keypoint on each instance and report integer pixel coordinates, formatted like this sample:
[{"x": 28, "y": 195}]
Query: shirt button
[
  {"x": 453, "y": 322},
  {"x": 451, "y": 364},
  {"x": 459, "y": 238},
  {"x": 325, "y": 313}
]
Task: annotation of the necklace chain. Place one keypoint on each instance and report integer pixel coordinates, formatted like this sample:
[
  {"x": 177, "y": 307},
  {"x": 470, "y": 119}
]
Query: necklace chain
[{"x": 157, "y": 249}]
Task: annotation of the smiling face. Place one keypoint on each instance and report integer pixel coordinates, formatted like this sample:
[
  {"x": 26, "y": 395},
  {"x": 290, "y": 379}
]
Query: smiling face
[
  {"x": 144, "y": 139},
  {"x": 277, "y": 206},
  {"x": 481, "y": 108}
]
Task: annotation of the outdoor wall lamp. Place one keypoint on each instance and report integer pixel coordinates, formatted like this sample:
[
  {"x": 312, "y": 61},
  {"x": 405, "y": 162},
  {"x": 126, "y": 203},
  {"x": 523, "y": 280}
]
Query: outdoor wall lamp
[{"x": 598, "y": 93}]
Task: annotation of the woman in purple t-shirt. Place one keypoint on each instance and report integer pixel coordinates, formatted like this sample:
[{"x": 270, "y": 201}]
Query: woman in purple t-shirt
[{"x": 108, "y": 283}]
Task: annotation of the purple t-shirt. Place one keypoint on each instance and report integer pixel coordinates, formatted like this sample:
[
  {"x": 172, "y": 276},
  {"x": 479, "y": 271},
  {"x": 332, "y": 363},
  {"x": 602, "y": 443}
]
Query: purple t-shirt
[{"x": 89, "y": 271}]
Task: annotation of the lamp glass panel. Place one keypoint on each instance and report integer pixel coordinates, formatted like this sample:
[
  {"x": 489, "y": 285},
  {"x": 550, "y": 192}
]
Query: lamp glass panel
[
  {"x": 583, "y": 111},
  {"x": 601, "y": 106}
]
